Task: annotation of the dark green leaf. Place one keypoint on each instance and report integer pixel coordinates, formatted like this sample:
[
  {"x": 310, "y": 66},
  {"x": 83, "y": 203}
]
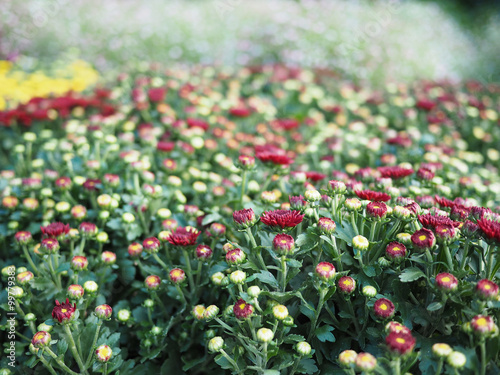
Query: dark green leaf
[
  {"x": 434, "y": 306},
  {"x": 411, "y": 274},
  {"x": 324, "y": 333}
]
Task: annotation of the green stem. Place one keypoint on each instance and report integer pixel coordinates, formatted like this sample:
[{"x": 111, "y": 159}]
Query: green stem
[
  {"x": 47, "y": 365},
  {"x": 160, "y": 262},
  {"x": 243, "y": 185},
  {"x": 96, "y": 336},
  {"x": 252, "y": 329},
  {"x": 321, "y": 302},
  {"x": 489, "y": 263},
  {"x": 264, "y": 356},
  {"x": 283, "y": 273},
  {"x": 57, "y": 282},
  {"x": 355, "y": 320},
  {"x": 482, "y": 346},
  {"x": 465, "y": 252},
  {"x": 59, "y": 362},
  {"x": 30, "y": 261},
  {"x": 439, "y": 366},
  {"x": 353, "y": 223},
  {"x": 105, "y": 369},
  {"x": 449, "y": 260},
  {"x": 372, "y": 231},
  {"x": 189, "y": 270},
  {"x": 73, "y": 349},
  {"x": 181, "y": 293},
  {"x": 397, "y": 366},
  {"x": 231, "y": 361}
]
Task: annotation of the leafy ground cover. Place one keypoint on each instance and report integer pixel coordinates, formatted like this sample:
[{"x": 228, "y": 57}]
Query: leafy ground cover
[{"x": 260, "y": 220}]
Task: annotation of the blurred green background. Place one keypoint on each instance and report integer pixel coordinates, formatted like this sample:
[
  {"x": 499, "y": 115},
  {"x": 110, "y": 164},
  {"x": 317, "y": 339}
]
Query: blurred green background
[{"x": 369, "y": 41}]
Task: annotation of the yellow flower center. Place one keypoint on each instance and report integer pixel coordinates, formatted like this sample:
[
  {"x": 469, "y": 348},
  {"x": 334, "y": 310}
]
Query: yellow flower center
[
  {"x": 481, "y": 322},
  {"x": 446, "y": 279},
  {"x": 422, "y": 237},
  {"x": 242, "y": 306},
  {"x": 487, "y": 287},
  {"x": 400, "y": 340},
  {"x": 383, "y": 307},
  {"x": 64, "y": 310}
]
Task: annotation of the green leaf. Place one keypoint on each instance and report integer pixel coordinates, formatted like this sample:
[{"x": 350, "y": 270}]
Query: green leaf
[
  {"x": 307, "y": 366},
  {"x": 265, "y": 277},
  {"x": 307, "y": 311},
  {"x": 345, "y": 232},
  {"x": 271, "y": 372},
  {"x": 293, "y": 263},
  {"x": 211, "y": 218},
  {"x": 62, "y": 347},
  {"x": 411, "y": 274},
  {"x": 434, "y": 306},
  {"x": 223, "y": 362},
  {"x": 324, "y": 333},
  {"x": 290, "y": 339},
  {"x": 306, "y": 241}
]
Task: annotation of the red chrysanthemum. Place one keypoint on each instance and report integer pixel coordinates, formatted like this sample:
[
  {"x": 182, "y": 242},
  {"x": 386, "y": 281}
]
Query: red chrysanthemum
[
  {"x": 397, "y": 327},
  {"x": 325, "y": 271},
  {"x": 91, "y": 184},
  {"x": 487, "y": 289},
  {"x": 240, "y": 111},
  {"x": 446, "y": 281},
  {"x": 235, "y": 256},
  {"x": 55, "y": 230},
  {"x": 297, "y": 202},
  {"x": 63, "y": 312},
  {"x": 482, "y": 324},
  {"x": 347, "y": 284},
  {"x": 23, "y": 237},
  {"x": 165, "y": 146},
  {"x": 242, "y": 310},
  {"x": 274, "y": 158},
  {"x": 400, "y": 343},
  {"x": 203, "y": 251},
  {"x": 445, "y": 232},
  {"x": 183, "y": 237},
  {"x": 432, "y": 221},
  {"x": 282, "y": 218},
  {"x": 384, "y": 308},
  {"x": 157, "y": 94},
  {"x": 87, "y": 228},
  {"x": 425, "y": 174},
  {"x": 459, "y": 212},
  {"x": 244, "y": 218},
  {"x": 371, "y": 195},
  {"x": 478, "y": 213},
  {"x": 315, "y": 176},
  {"x": 283, "y": 244},
  {"x": 395, "y": 172},
  {"x": 490, "y": 228},
  {"x": 423, "y": 239},
  {"x": 443, "y": 202},
  {"x": 151, "y": 244},
  {"x": 376, "y": 209},
  {"x": 395, "y": 251}
]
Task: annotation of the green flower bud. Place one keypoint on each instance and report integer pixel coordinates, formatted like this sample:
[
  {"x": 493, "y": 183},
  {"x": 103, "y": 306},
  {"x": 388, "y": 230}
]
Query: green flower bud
[
  {"x": 216, "y": 344},
  {"x": 303, "y": 348},
  {"x": 254, "y": 291},
  {"x": 265, "y": 335},
  {"x": 123, "y": 315},
  {"x": 360, "y": 243},
  {"x": 369, "y": 291}
]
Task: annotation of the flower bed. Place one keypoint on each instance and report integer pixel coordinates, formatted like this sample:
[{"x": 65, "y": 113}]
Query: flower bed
[{"x": 265, "y": 220}]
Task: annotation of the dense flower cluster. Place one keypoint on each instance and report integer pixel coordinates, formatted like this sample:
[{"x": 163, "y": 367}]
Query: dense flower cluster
[{"x": 277, "y": 216}]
